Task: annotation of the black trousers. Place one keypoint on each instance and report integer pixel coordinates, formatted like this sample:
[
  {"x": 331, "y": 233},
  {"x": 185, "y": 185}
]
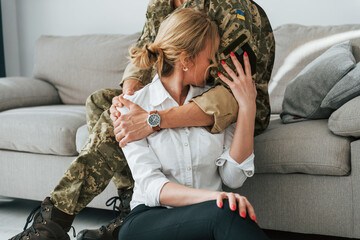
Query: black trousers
[{"x": 198, "y": 221}]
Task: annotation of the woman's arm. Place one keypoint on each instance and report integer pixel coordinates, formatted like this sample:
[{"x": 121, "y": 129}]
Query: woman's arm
[
  {"x": 237, "y": 161},
  {"x": 176, "y": 195},
  {"x": 244, "y": 90}
]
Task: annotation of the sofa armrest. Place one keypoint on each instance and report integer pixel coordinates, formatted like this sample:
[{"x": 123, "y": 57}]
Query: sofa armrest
[{"x": 18, "y": 92}]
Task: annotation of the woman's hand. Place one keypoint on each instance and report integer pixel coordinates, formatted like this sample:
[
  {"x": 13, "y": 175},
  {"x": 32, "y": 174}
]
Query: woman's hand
[
  {"x": 242, "y": 84},
  {"x": 236, "y": 201}
]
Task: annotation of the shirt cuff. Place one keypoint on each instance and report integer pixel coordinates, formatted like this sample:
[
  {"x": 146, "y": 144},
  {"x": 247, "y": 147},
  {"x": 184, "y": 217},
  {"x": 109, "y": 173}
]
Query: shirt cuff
[
  {"x": 153, "y": 197},
  {"x": 247, "y": 166}
]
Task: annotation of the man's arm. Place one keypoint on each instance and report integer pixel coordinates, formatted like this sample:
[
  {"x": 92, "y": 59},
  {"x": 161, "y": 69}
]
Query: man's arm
[
  {"x": 188, "y": 115},
  {"x": 216, "y": 108}
]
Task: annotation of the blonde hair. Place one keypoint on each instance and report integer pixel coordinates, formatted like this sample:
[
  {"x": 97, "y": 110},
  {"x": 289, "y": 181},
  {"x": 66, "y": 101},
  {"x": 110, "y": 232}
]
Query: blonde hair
[{"x": 184, "y": 31}]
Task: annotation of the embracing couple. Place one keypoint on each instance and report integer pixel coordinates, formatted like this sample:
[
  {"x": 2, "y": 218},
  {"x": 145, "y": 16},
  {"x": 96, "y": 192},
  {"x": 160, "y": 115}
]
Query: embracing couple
[{"x": 154, "y": 141}]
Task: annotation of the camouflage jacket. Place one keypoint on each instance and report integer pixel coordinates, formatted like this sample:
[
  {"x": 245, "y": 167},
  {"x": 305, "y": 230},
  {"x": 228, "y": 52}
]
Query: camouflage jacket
[{"x": 243, "y": 26}]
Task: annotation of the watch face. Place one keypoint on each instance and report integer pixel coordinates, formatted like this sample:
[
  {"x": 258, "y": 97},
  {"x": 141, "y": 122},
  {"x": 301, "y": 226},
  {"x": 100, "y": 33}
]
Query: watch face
[{"x": 154, "y": 120}]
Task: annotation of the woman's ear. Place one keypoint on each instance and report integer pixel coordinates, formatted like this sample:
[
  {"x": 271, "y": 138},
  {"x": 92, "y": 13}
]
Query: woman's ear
[{"x": 185, "y": 60}]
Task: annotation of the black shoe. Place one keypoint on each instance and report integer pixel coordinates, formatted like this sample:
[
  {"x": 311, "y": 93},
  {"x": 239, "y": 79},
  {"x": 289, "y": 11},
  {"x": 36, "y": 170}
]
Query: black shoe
[
  {"x": 49, "y": 223},
  {"x": 111, "y": 230}
]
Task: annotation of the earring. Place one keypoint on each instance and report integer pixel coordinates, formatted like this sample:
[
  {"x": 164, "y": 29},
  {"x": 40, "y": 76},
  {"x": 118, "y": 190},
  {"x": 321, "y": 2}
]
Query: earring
[{"x": 185, "y": 69}]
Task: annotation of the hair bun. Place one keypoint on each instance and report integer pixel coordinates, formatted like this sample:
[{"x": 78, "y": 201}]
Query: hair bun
[{"x": 143, "y": 58}]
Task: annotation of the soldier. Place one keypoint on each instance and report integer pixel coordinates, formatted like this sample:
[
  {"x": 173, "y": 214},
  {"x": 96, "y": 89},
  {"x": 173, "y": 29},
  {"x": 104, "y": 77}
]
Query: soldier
[{"x": 243, "y": 27}]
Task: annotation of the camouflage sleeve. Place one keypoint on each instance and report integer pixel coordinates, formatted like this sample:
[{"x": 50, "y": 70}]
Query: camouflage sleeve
[
  {"x": 243, "y": 26},
  {"x": 157, "y": 11}
]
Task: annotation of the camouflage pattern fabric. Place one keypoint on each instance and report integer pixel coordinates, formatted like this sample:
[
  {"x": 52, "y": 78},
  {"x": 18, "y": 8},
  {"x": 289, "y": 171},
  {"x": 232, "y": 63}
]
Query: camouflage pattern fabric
[
  {"x": 100, "y": 160},
  {"x": 243, "y": 26}
]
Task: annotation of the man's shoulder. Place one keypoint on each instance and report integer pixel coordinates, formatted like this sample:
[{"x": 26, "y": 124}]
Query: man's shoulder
[{"x": 158, "y": 7}]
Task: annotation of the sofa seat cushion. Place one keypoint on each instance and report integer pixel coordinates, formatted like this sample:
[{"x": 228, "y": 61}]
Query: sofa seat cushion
[
  {"x": 44, "y": 129},
  {"x": 302, "y": 147}
]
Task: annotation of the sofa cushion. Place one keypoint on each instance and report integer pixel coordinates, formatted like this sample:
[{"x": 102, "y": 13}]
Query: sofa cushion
[
  {"x": 82, "y": 135},
  {"x": 346, "y": 120},
  {"x": 303, "y": 147},
  {"x": 18, "y": 92},
  {"x": 80, "y": 65},
  {"x": 343, "y": 91},
  {"x": 44, "y": 129},
  {"x": 304, "y": 95},
  {"x": 297, "y": 46}
]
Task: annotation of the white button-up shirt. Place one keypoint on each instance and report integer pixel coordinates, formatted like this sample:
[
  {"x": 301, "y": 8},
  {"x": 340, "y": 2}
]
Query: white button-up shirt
[{"x": 189, "y": 156}]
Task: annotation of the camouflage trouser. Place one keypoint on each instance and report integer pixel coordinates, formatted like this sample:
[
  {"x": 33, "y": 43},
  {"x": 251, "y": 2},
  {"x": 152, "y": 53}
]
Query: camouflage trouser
[{"x": 100, "y": 159}]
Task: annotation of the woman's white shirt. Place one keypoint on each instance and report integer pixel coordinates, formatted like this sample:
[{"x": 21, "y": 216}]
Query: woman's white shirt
[{"x": 189, "y": 156}]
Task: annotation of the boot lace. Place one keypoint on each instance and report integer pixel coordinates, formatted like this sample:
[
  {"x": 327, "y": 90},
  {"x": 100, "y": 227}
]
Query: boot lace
[
  {"x": 120, "y": 211},
  {"x": 30, "y": 218},
  {"x": 113, "y": 201}
]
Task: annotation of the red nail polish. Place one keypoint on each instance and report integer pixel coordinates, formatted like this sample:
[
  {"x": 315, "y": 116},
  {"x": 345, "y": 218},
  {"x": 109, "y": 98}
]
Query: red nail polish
[
  {"x": 253, "y": 218},
  {"x": 222, "y": 62},
  {"x": 245, "y": 54},
  {"x": 232, "y": 54},
  {"x": 219, "y": 73},
  {"x": 243, "y": 214},
  {"x": 220, "y": 205},
  {"x": 233, "y": 207}
]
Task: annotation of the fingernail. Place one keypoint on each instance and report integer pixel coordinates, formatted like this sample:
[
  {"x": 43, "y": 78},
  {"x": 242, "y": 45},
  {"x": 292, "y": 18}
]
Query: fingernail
[
  {"x": 219, "y": 73},
  {"x": 243, "y": 214},
  {"x": 220, "y": 205},
  {"x": 245, "y": 54},
  {"x": 232, "y": 54},
  {"x": 222, "y": 62},
  {"x": 253, "y": 218},
  {"x": 233, "y": 207}
]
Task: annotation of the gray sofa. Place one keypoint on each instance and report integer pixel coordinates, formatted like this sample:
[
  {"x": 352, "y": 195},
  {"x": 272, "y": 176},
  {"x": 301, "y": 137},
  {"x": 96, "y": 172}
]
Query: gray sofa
[{"x": 307, "y": 173}]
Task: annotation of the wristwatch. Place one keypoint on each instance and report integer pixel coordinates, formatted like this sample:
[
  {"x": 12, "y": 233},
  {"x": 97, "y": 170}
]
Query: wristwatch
[{"x": 154, "y": 120}]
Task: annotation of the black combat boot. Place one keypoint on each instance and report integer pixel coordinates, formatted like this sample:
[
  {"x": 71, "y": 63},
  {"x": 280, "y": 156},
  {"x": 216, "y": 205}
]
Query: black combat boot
[
  {"x": 49, "y": 224},
  {"x": 111, "y": 230}
]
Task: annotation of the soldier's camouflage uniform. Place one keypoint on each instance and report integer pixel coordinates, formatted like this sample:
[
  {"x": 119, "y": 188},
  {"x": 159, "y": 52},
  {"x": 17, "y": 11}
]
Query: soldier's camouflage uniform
[{"x": 243, "y": 26}]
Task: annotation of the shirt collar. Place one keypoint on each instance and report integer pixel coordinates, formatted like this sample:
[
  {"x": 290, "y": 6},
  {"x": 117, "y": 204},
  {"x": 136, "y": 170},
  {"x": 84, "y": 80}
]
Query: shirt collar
[{"x": 158, "y": 93}]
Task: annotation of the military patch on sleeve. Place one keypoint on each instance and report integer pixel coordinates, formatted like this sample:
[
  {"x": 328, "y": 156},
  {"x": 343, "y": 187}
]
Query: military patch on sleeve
[{"x": 240, "y": 14}]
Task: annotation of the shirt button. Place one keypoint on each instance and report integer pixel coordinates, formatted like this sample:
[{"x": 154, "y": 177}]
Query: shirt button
[
  {"x": 185, "y": 144},
  {"x": 249, "y": 173},
  {"x": 189, "y": 168}
]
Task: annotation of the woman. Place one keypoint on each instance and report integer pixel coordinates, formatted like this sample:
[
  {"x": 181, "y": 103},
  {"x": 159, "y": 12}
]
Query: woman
[{"x": 179, "y": 172}]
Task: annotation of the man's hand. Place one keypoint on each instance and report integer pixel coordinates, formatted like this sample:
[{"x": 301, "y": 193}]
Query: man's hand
[
  {"x": 132, "y": 126},
  {"x": 129, "y": 87}
]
